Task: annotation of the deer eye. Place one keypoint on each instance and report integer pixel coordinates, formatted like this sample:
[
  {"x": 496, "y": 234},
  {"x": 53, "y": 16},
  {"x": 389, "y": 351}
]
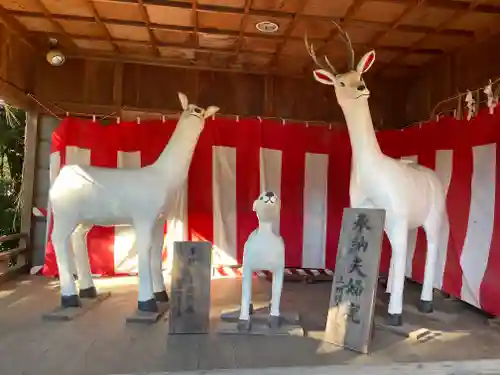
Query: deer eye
[{"x": 342, "y": 84}]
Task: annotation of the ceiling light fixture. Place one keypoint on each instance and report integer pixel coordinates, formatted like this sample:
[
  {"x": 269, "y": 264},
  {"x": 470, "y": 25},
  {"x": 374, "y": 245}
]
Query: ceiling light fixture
[
  {"x": 54, "y": 56},
  {"x": 267, "y": 27}
]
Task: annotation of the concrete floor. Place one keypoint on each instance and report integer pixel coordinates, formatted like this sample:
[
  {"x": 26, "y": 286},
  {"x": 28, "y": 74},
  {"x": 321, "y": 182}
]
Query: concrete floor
[{"x": 100, "y": 343}]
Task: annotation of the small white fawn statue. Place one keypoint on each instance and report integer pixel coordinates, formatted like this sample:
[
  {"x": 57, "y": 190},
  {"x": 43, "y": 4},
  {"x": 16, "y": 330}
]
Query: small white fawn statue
[
  {"x": 264, "y": 250},
  {"x": 411, "y": 195},
  {"x": 83, "y": 196}
]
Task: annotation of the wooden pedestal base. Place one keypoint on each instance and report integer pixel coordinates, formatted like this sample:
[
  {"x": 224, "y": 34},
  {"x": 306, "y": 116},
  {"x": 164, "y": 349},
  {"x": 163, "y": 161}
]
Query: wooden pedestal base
[
  {"x": 70, "y": 313},
  {"x": 144, "y": 317},
  {"x": 290, "y": 324}
]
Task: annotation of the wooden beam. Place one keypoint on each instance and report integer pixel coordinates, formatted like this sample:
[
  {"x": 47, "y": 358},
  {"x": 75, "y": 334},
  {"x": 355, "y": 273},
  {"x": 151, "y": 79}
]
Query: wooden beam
[
  {"x": 411, "y": 7},
  {"x": 167, "y": 62},
  {"x": 14, "y": 94},
  {"x": 461, "y": 12},
  {"x": 56, "y": 24},
  {"x": 372, "y": 24},
  {"x": 97, "y": 18},
  {"x": 145, "y": 19},
  {"x": 286, "y": 35},
  {"x": 440, "y": 4},
  {"x": 451, "y": 5},
  {"x": 351, "y": 12},
  {"x": 425, "y": 51},
  {"x": 28, "y": 180},
  {"x": 241, "y": 32},
  {"x": 195, "y": 21},
  {"x": 16, "y": 28}
]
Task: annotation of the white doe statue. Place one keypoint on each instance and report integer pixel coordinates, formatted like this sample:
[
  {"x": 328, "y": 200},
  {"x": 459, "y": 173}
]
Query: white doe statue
[
  {"x": 491, "y": 100},
  {"x": 83, "y": 196},
  {"x": 411, "y": 195},
  {"x": 264, "y": 250}
]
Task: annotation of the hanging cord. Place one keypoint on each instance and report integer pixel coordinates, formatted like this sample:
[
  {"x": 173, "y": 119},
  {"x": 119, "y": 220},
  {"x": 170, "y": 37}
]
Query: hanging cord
[
  {"x": 43, "y": 106},
  {"x": 458, "y": 96}
]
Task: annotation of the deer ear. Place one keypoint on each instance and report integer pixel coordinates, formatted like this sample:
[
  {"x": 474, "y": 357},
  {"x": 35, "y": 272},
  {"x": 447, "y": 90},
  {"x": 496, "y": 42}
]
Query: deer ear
[
  {"x": 366, "y": 62},
  {"x": 210, "y": 111},
  {"x": 324, "y": 77},
  {"x": 184, "y": 100}
]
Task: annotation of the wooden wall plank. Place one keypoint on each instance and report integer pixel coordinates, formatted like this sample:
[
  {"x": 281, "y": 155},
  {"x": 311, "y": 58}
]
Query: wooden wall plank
[
  {"x": 468, "y": 68},
  {"x": 148, "y": 88}
]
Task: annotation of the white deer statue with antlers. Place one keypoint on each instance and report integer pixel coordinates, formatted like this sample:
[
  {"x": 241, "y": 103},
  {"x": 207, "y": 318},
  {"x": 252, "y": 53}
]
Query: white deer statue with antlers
[
  {"x": 82, "y": 196},
  {"x": 411, "y": 195}
]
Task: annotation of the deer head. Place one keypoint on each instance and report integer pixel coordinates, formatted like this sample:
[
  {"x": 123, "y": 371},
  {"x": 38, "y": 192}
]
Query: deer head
[
  {"x": 194, "y": 110},
  {"x": 349, "y": 87}
]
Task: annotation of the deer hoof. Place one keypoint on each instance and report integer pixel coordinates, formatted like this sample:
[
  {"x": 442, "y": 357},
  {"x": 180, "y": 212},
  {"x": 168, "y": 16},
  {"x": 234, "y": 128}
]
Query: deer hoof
[
  {"x": 274, "y": 322},
  {"x": 425, "y": 307},
  {"x": 70, "y": 301},
  {"x": 395, "y": 320},
  {"x": 148, "y": 306},
  {"x": 88, "y": 292},
  {"x": 161, "y": 296},
  {"x": 244, "y": 325}
]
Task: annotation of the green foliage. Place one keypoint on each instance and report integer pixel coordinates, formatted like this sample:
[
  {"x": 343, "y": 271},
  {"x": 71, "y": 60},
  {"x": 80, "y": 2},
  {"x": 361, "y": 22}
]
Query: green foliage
[{"x": 12, "y": 122}]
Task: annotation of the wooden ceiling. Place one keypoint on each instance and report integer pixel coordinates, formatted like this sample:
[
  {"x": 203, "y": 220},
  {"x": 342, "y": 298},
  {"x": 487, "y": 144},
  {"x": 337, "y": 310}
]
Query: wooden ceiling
[{"x": 222, "y": 34}]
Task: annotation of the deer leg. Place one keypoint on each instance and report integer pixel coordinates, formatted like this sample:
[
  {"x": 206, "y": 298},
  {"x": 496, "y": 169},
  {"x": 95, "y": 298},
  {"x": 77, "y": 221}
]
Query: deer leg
[
  {"x": 398, "y": 237},
  {"x": 277, "y": 287},
  {"x": 390, "y": 276},
  {"x": 432, "y": 229},
  {"x": 79, "y": 242},
  {"x": 244, "y": 323},
  {"x": 159, "y": 290},
  {"x": 61, "y": 240},
  {"x": 146, "y": 300}
]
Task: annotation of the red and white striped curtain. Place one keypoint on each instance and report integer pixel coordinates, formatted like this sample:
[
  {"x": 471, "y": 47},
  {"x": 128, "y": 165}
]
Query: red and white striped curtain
[{"x": 309, "y": 168}]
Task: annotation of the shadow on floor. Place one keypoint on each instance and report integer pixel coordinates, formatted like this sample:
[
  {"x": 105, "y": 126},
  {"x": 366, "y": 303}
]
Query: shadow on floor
[{"x": 99, "y": 342}]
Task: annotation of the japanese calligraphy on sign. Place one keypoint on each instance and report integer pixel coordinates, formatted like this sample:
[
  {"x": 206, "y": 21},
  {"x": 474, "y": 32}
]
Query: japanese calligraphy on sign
[
  {"x": 187, "y": 282},
  {"x": 352, "y": 300},
  {"x": 191, "y": 272}
]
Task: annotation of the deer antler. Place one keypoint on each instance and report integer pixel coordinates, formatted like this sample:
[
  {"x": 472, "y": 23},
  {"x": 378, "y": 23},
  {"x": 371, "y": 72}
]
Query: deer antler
[
  {"x": 347, "y": 40},
  {"x": 312, "y": 53}
]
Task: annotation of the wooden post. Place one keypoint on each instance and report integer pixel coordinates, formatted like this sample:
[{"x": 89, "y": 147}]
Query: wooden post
[
  {"x": 190, "y": 291},
  {"x": 354, "y": 288},
  {"x": 28, "y": 179}
]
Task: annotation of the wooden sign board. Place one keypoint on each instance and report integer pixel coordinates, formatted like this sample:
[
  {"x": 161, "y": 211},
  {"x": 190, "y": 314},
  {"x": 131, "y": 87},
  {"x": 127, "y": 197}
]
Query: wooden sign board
[
  {"x": 190, "y": 287},
  {"x": 353, "y": 296}
]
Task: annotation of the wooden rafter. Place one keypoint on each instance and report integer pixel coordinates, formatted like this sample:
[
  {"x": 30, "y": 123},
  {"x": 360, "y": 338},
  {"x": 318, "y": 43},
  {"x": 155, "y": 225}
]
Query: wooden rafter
[
  {"x": 243, "y": 25},
  {"x": 267, "y": 49},
  {"x": 166, "y": 62},
  {"x": 145, "y": 19},
  {"x": 353, "y": 8},
  {"x": 194, "y": 10},
  {"x": 56, "y": 24},
  {"x": 286, "y": 35},
  {"x": 424, "y": 51},
  {"x": 410, "y": 8},
  {"x": 459, "y": 13},
  {"x": 15, "y": 27},
  {"x": 454, "y": 5},
  {"x": 97, "y": 18},
  {"x": 379, "y": 25}
]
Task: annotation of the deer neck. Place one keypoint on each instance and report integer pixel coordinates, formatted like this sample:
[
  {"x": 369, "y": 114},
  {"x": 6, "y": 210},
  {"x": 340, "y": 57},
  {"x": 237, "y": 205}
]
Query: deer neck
[
  {"x": 174, "y": 161},
  {"x": 364, "y": 144},
  {"x": 265, "y": 227}
]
